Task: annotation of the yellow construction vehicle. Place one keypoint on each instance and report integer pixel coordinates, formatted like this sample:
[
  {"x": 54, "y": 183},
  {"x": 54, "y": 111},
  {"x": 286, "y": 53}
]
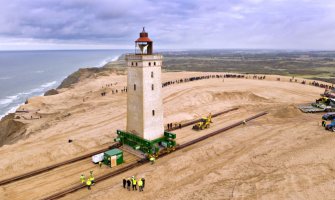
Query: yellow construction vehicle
[
  {"x": 323, "y": 100},
  {"x": 204, "y": 123}
]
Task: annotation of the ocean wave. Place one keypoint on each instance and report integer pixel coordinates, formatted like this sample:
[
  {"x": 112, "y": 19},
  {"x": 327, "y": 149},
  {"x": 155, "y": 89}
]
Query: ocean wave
[
  {"x": 11, "y": 103},
  {"x": 40, "y": 89},
  {"x": 46, "y": 85},
  {"x": 11, "y": 110},
  {"x": 107, "y": 60},
  {"x": 8, "y": 100}
]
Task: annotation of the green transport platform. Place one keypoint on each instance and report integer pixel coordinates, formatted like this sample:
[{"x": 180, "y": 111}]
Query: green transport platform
[{"x": 150, "y": 147}]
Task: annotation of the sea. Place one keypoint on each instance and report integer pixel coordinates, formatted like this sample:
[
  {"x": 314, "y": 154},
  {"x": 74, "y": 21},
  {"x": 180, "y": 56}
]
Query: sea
[{"x": 24, "y": 74}]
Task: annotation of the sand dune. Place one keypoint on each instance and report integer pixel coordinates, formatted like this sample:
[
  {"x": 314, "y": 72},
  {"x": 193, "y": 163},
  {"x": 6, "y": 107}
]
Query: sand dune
[{"x": 284, "y": 155}]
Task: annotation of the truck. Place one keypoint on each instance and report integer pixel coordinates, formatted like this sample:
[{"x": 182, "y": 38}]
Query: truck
[
  {"x": 331, "y": 126},
  {"x": 329, "y": 116},
  {"x": 98, "y": 158}
]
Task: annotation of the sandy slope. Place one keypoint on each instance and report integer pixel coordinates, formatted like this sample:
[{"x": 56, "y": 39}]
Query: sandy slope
[{"x": 285, "y": 155}]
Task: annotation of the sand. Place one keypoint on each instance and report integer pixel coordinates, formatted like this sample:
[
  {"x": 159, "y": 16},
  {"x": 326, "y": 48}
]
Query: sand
[{"x": 284, "y": 155}]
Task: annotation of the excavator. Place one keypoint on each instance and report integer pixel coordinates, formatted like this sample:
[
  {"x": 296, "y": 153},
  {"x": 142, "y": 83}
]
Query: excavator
[{"x": 204, "y": 123}]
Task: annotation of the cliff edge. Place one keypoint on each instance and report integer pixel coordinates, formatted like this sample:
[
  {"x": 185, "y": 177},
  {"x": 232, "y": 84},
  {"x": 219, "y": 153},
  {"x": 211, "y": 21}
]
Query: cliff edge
[{"x": 11, "y": 130}]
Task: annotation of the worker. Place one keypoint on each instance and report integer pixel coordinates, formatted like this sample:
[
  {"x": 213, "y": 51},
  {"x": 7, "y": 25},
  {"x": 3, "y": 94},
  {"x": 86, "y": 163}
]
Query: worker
[
  {"x": 131, "y": 180},
  {"x": 88, "y": 184},
  {"x": 124, "y": 182},
  {"x": 92, "y": 178},
  {"x": 128, "y": 184},
  {"x": 140, "y": 185},
  {"x": 152, "y": 160},
  {"x": 143, "y": 181},
  {"x": 82, "y": 178},
  {"x": 323, "y": 123},
  {"x": 100, "y": 164},
  {"x": 134, "y": 184}
]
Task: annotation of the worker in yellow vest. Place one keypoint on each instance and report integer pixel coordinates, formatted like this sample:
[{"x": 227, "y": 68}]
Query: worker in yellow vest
[
  {"x": 92, "y": 178},
  {"x": 88, "y": 184},
  {"x": 82, "y": 178},
  {"x": 134, "y": 184},
  {"x": 140, "y": 185},
  {"x": 152, "y": 160}
]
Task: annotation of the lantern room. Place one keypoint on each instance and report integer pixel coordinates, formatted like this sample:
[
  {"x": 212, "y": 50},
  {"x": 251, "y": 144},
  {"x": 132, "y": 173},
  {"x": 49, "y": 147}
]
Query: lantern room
[{"x": 143, "y": 45}]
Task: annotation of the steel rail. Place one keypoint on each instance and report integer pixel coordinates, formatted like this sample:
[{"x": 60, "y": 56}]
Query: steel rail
[
  {"x": 198, "y": 120},
  {"x": 76, "y": 159},
  {"x": 144, "y": 161},
  {"x": 48, "y": 168}
]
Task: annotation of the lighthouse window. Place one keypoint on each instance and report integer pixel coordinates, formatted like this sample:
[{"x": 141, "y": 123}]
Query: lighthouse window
[
  {"x": 153, "y": 112},
  {"x": 149, "y": 63},
  {"x": 152, "y": 74},
  {"x": 154, "y": 63},
  {"x": 134, "y": 86},
  {"x": 152, "y": 87}
]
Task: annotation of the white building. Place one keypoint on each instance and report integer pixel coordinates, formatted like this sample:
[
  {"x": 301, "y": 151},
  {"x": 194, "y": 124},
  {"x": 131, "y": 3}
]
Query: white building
[{"x": 144, "y": 102}]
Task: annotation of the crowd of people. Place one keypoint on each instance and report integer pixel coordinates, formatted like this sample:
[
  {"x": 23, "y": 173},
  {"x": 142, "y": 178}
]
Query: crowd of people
[
  {"x": 223, "y": 76},
  {"x": 132, "y": 182},
  {"x": 89, "y": 181},
  {"x": 217, "y": 76},
  {"x": 171, "y": 127},
  {"x": 314, "y": 83},
  {"x": 128, "y": 183},
  {"x": 321, "y": 85},
  {"x": 195, "y": 78}
]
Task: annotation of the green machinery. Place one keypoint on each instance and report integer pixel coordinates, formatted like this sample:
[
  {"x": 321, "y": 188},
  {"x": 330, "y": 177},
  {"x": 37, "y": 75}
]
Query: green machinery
[
  {"x": 113, "y": 157},
  {"x": 150, "y": 147}
]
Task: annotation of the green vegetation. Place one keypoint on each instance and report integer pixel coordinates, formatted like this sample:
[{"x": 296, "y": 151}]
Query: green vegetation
[{"x": 318, "y": 65}]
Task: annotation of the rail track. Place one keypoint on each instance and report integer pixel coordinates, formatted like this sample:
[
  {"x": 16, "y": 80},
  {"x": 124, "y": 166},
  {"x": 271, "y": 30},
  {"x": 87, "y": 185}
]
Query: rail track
[
  {"x": 79, "y": 158},
  {"x": 198, "y": 120},
  {"x": 48, "y": 168},
  {"x": 144, "y": 161}
]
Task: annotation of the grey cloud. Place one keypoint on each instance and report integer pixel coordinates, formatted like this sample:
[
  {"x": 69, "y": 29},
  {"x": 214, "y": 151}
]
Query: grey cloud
[{"x": 172, "y": 23}]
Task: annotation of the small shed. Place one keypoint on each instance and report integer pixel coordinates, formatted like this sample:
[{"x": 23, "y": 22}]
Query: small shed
[{"x": 113, "y": 157}]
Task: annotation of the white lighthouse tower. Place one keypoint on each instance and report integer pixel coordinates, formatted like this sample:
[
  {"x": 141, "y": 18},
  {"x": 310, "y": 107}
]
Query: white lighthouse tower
[{"x": 144, "y": 102}]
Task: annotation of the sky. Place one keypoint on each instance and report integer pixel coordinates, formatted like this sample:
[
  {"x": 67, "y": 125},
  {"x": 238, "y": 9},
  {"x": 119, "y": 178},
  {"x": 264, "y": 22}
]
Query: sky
[{"x": 172, "y": 24}]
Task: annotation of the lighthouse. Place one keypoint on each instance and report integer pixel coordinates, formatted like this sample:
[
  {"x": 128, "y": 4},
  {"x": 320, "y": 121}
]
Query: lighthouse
[{"x": 144, "y": 100}]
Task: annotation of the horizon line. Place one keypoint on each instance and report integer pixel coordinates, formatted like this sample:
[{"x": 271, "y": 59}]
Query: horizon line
[{"x": 177, "y": 49}]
